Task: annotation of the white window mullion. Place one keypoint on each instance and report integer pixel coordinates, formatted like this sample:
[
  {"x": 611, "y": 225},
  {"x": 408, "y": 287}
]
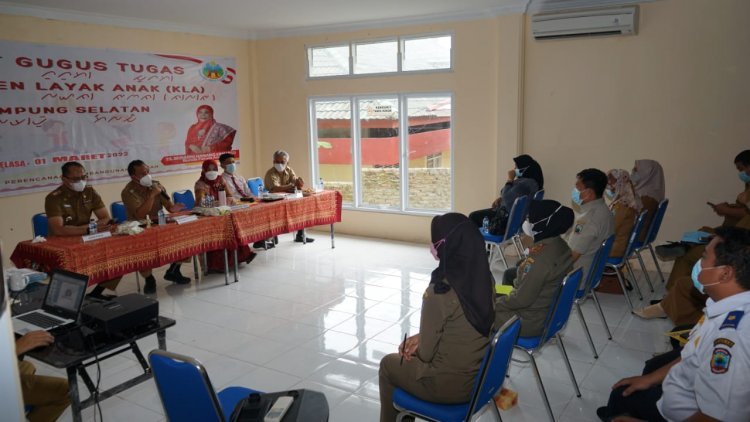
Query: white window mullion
[
  {"x": 403, "y": 142},
  {"x": 356, "y": 152}
]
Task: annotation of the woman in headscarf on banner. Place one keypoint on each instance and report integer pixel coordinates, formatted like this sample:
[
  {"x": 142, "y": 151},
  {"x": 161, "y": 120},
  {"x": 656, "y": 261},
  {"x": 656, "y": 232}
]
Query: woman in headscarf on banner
[
  {"x": 440, "y": 363},
  {"x": 207, "y": 135},
  {"x": 536, "y": 279},
  {"x": 648, "y": 180},
  {"x": 625, "y": 205},
  {"x": 210, "y": 184}
]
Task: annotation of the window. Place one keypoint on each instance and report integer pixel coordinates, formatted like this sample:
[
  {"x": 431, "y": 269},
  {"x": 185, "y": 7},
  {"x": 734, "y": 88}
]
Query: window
[
  {"x": 382, "y": 167},
  {"x": 400, "y": 54}
]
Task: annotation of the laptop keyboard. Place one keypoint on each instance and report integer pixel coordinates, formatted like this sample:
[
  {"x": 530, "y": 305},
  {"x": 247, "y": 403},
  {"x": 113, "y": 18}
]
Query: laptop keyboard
[{"x": 41, "y": 320}]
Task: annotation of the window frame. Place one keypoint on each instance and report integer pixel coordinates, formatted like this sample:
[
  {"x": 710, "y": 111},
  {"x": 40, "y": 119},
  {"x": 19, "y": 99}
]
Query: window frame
[{"x": 357, "y": 192}]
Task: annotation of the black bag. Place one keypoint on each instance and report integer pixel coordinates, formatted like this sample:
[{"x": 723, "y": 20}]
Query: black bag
[
  {"x": 499, "y": 221},
  {"x": 308, "y": 406}
]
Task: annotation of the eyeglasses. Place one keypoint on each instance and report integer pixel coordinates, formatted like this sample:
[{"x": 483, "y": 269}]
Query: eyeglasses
[{"x": 77, "y": 179}]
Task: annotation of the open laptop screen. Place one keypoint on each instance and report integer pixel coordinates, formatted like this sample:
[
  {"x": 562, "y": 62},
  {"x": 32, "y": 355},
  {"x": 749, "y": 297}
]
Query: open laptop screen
[{"x": 66, "y": 291}]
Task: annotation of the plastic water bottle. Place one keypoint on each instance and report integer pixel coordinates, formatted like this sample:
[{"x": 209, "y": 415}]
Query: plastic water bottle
[
  {"x": 486, "y": 225},
  {"x": 162, "y": 217},
  {"x": 92, "y": 226},
  {"x": 222, "y": 196},
  {"x": 210, "y": 201}
]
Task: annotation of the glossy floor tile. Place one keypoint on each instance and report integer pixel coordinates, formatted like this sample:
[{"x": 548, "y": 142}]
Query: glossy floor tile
[{"x": 308, "y": 316}]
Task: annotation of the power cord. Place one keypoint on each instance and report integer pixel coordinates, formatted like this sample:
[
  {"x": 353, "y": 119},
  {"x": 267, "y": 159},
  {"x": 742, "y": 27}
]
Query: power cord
[{"x": 98, "y": 380}]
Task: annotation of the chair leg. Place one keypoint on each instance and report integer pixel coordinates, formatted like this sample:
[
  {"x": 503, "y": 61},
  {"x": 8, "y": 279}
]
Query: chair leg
[
  {"x": 502, "y": 256},
  {"x": 195, "y": 267},
  {"x": 601, "y": 313},
  {"x": 622, "y": 286},
  {"x": 643, "y": 268},
  {"x": 541, "y": 384},
  {"x": 586, "y": 329},
  {"x": 656, "y": 262},
  {"x": 497, "y": 411},
  {"x": 519, "y": 246},
  {"x": 138, "y": 281},
  {"x": 567, "y": 363},
  {"x": 635, "y": 280}
]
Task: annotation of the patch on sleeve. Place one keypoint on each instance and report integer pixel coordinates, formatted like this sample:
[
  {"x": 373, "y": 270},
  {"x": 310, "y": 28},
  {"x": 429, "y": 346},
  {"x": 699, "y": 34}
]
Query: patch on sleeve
[
  {"x": 724, "y": 341},
  {"x": 578, "y": 228},
  {"x": 732, "y": 320},
  {"x": 720, "y": 360}
]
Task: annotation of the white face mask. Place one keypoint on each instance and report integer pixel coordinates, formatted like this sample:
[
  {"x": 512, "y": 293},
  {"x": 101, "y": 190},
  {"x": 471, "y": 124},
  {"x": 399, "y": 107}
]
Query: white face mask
[
  {"x": 528, "y": 228},
  {"x": 78, "y": 186},
  {"x": 212, "y": 175},
  {"x": 146, "y": 181},
  {"x": 279, "y": 167}
]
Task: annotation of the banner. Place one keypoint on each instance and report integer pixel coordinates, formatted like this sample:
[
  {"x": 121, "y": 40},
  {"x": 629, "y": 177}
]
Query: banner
[{"x": 105, "y": 108}]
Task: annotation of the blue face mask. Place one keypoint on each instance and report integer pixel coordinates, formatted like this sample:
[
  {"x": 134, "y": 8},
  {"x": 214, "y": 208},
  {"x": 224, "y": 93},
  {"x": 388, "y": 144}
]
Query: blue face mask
[
  {"x": 743, "y": 176},
  {"x": 231, "y": 168},
  {"x": 519, "y": 172},
  {"x": 576, "y": 196},
  {"x": 697, "y": 269},
  {"x": 610, "y": 193}
]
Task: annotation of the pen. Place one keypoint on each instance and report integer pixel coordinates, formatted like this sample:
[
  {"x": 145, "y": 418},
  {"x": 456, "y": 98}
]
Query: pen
[{"x": 403, "y": 350}]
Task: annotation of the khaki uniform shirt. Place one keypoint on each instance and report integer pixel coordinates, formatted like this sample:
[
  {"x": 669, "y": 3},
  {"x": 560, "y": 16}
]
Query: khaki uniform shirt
[
  {"x": 624, "y": 222},
  {"x": 134, "y": 195},
  {"x": 537, "y": 280},
  {"x": 275, "y": 179},
  {"x": 592, "y": 227},
  {"x": 75, "y": 208}
]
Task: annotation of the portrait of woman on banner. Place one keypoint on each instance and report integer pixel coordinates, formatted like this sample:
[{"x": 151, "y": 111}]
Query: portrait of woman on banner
[{"x": 208, "y": 135}]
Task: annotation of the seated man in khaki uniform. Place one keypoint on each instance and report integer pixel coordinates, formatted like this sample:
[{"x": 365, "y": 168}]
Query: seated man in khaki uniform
[
  {"x": 69, "y": 208},
  {"x": 47, "y": 396},
  {"x": 144, "y": 197},
  {"x": 281, "y": 178}
]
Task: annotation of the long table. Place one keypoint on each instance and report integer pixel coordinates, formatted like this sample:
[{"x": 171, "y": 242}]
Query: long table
[{"x": 112, "y": 257}]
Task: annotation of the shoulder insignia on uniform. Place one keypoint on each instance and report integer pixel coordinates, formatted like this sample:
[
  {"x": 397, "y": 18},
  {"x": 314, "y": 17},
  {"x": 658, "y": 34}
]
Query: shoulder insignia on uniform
[
  {"x": 578, "y": 228},
  {"x": 720, "y": 360},
  {"x": 732, "y": 320},
  {"x": 724, "y": 341}
]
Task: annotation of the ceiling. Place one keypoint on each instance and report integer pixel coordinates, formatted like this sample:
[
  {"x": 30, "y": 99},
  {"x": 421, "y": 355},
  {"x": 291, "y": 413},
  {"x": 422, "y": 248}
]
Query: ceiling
[{"x": 254, "y": 19}]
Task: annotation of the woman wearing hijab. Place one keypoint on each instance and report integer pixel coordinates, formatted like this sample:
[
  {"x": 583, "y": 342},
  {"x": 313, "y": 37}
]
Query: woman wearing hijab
[
  {"x": 210, "y": 183},
  {"x": 648, "y": 181},
  {"x": 525, "y": 178},
  {"x": 208, "y": 135},
  {"x": 440, "y": 363},
  {"x": 537, "y": 278},
  {"x": 625, "y": 205}
]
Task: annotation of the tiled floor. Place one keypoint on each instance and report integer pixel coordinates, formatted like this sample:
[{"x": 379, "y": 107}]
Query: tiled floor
[{"x": 321, "y": 318}]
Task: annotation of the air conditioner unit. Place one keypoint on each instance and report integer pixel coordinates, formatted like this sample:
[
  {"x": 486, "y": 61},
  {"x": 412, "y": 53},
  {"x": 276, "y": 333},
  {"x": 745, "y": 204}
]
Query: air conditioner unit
[{"x": 619, "y": 21}]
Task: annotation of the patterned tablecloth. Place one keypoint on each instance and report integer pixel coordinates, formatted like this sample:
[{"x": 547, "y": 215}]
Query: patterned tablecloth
[{"x": 105, "y": 259}]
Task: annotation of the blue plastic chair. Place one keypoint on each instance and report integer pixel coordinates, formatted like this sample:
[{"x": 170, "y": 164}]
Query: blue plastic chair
[
  {"x": 593, "y": 278},
  {"x": 186, "y": 391},
  {"x": 39, "y": 224},
  {"x": 489, "y": 381},
  {"x": 556, "y": 320},
  {"x": 653, "y": 232},
  {"x": 184, "y": 197},
  {"x": 616, "y": 263},
  {"x": 539, "y": 195},
  {"x": 255, "y": 184},
  {"x": 118, "y": 212},
  {"x": 518, "y": 213}
]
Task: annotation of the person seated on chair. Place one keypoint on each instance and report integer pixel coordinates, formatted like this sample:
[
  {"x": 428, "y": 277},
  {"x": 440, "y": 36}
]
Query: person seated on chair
[
  {"x": 210, "y": 184},
  {"x": 707, "y": 381},
  {"x": 143, "y": 198},
  {"x": 595, "y": 223},
  {"x": 441, "y": 362},
  {"x": 69, "y": 209},
  {"x": 235, "y": 184},
  {"x": 537, "y": 278},
  {"x": 526, "y": 178},
  {"x": 47, "y": 396},
  {"x": 625, "y": 206},
  {"x": 648, "y": 180},
  {"x": 281, "y": 178}
]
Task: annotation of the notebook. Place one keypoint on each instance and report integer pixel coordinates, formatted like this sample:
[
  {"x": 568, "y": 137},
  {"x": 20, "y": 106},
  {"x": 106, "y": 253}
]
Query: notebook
[{"x": 61, "y": 306}]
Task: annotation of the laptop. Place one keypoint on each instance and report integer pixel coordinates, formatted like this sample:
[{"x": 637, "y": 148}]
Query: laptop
[{"x": 61, "y": 306}]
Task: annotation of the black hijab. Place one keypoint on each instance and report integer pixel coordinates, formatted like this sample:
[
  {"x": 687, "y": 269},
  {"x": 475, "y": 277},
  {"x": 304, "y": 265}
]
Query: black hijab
[
  {"x": 532, "y": 169},
  {"x": 549, "y": 218},
  {"x": 463, "y": 262}
]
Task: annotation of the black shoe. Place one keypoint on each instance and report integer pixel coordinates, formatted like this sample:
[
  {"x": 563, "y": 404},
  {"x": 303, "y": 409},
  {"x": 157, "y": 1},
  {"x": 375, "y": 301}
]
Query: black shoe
[
  {"x": 300, "y": 239},
  {"x": 176, "y": 277},
  {"x": 603, "y": 414},
  {"x": 259, "y": 245},
  {"x": 250, "y": 258},
  {"x": 98, "y": 293},
  {"x": 150, "y": 286},
  {"x": 276, "y": 240},
  {"x": 654, "y": 302},
  {"x": 670, "y": 251}
]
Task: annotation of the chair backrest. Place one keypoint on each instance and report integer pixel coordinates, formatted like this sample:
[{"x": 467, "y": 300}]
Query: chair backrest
[
  {"x": 518, "y": 213},
  {"x": 184, "y": 197},
  {"x": 653, "y": 229},
  {"x": 39, "y": 224},
  {"x": 185, "y": 390},
  {"x": 539, "y": 195},
  {"x": 254, "y": 185},
  {"x": 596, "y": 270},
  {"x": 561, "y": 306},
  {"x": 494, "y": 366},
  {"x": 637, "y": 227},
  {"x": 118, "y": 212}
]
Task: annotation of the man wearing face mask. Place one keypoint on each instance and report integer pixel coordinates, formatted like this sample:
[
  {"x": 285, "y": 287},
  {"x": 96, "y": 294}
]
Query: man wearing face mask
[
  {"x": 281, "y": 178},
  {"x": 143, "y": 197},
  {"x": 595, "y": 223},
  {"x": 707, "y": 381},
  {"x": 236, "y": 184}
]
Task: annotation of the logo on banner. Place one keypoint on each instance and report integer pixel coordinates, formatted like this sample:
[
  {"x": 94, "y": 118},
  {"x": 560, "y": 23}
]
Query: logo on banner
[{"x": 212, "y": 71}]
